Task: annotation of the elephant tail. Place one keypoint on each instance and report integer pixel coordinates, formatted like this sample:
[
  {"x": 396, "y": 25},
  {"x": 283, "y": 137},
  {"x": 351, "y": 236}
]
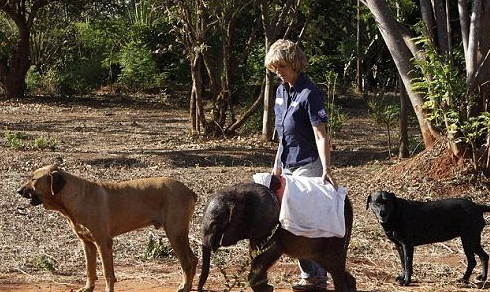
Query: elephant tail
[{"x": 206, "y": 257}]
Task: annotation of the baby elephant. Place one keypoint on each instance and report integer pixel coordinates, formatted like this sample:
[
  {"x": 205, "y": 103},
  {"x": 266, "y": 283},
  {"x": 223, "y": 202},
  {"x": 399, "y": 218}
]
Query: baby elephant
[
  {"x": 251, "y": 211},
  {"x": 411, "y": 223}
]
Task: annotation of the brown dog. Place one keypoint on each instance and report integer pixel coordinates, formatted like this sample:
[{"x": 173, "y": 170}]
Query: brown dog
[{"x": 99, "y": 211}]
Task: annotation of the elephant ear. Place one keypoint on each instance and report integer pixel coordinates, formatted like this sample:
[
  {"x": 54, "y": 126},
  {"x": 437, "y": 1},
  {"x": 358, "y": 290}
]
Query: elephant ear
[{"x": 236, "y": 229}]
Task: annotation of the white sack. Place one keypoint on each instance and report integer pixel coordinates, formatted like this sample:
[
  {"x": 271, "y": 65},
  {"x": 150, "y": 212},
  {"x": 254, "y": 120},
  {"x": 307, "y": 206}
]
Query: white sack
[{"x": 312, "y": 209}]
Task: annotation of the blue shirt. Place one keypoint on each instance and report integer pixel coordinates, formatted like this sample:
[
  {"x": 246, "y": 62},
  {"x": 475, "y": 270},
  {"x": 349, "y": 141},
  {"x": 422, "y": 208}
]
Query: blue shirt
[{"x": 297, "y": 109}]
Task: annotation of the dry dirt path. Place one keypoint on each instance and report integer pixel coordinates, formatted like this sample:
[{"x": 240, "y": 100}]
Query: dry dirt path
[{"x": 103, "y": 139}]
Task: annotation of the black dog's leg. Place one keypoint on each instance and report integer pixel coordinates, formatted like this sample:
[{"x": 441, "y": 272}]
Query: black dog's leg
[
  {"x": 484, "y": 262},
  {"x": 262, "y": 260},
  {"x": 469, "y": 246},
  {"x": 399, "y": 248},
  {"x": 408, "y": 259}
]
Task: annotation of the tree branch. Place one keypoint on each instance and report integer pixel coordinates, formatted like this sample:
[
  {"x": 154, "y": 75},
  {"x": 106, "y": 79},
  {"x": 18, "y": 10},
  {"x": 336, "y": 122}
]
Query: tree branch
[
  {"x": 282, "y": 17},
  {"x": 303, "y": 29},
  {"x": 250, "y": 111}
]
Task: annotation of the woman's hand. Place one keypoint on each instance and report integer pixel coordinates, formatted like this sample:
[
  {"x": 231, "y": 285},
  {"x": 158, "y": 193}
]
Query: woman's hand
[
  {"x": 277, "y": 171},
  {"x": 327, "y": 177}
]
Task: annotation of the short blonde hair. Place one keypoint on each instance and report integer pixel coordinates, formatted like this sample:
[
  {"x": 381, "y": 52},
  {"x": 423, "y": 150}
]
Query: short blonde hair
[{"x": 285, "y": 51}]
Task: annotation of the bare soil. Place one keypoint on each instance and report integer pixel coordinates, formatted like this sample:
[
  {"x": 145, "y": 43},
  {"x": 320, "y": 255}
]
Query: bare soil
[{"x": 115, "y": 138}]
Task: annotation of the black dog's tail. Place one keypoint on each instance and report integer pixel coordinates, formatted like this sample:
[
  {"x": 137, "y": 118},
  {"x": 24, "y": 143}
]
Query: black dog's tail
[{"x": 484, "y": 208}]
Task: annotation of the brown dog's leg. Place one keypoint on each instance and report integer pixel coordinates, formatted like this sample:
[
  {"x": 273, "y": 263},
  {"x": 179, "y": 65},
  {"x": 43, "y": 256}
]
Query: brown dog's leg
[
  {"x": 187, "y": 259},
  {"x": 90, "y": 252},
  {"x": 105, "y": 251}
]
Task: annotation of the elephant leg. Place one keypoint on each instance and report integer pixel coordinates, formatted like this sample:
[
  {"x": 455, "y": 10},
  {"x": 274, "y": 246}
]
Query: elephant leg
[
  {"x": 262, "y": 260},
  {"x": 342, "y": 280}
]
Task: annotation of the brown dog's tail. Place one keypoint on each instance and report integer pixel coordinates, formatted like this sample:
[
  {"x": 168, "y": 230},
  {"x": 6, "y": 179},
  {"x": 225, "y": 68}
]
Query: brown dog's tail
[{"x": 206, "y": 256}]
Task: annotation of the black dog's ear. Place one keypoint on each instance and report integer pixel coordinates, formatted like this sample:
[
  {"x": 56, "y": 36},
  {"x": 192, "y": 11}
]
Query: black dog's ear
[
  {"x": 57, "y": 182},
  {"x": 368, "y": 202},
  {"x": 391, "y": 195}
]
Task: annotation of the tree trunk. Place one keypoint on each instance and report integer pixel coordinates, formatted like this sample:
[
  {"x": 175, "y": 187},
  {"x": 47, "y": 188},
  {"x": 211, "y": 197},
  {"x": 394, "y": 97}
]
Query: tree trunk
[
  {"x": 269, "y": 98},
  {"x": 358, "y": 48},
  {"x": 403, "y": 123},
  {"x": 13, "y": 73},
  {"x": 474, "y": 36},
  {"x": 271, "y": 31},
  {"x": 392, "y": 36},
  {"x": 441, "y": 24},
  {"x": 428, "y": 18},
  {"x": 464, "y": 24},
  {"x": 485, "y": 50},
  {"x": 198, "y": 112}
]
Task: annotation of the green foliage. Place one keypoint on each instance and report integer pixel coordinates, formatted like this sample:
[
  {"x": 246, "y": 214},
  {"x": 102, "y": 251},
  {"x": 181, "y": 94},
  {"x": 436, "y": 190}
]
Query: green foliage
[
  {"x": 45, "y": 263},
  {"x": 386, "y": 114},
  {"x": 8, "y": 36},
  {"x": 472, "y": 132},
  {"x": 20, "y": 141},
  {"x": 34, "y": 80},
  {"x": 157, "y": 249},
  {"x": 42, "y": 143},
  {"x": 442, "y": 84},
  {"x": 254, "y": 68},
  {"x": 382, "y": 113},
  {"x": 253, "y": 124},
  {"x": 336, "y": 118},
  {"x": 138, "y": 68},
  {"x": 14, "y": 140},
  {"x": 80, "y": 76}
]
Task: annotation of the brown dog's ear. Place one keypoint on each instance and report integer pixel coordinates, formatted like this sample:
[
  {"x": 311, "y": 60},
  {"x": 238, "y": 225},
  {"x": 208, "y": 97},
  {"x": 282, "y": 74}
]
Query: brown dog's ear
[
  {"x": 57, "y": 182},
  {"x": 368, "y": 202}
]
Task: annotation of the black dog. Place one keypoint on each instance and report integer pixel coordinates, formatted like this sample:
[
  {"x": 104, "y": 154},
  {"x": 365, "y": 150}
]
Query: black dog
[{"x": 411, "y": 223}]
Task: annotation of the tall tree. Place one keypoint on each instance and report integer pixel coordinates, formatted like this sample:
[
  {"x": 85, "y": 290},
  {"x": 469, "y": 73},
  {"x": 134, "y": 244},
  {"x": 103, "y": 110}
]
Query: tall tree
[
  {"x": 192, "y": 20},
  {"x": 455, "y": 113},
  {"x": 208, "y": 30},
  {"x": 393, "y": 37},
  {"x": 274, "y": 22},
  {"x": 15, "y": 64}
]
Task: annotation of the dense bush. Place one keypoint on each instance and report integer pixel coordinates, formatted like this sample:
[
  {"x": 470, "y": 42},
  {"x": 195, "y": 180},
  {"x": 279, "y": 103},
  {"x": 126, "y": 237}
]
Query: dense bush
[{"x": 138, "y": 67}]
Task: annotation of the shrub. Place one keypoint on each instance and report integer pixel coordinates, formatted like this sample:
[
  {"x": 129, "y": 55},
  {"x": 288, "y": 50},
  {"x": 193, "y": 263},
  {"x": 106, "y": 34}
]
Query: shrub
[
  {"x": 138, "y": 67},
  {"x": 20, "y": 141},
  {"x": 14, "y": 139},
  {"x": 45, "y": 263},
  {"x": 157, "y": 249}
]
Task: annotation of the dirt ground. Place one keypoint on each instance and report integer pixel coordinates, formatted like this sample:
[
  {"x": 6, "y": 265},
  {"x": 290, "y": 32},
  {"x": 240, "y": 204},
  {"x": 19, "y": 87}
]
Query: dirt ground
[{"x": 108, "y": 138}]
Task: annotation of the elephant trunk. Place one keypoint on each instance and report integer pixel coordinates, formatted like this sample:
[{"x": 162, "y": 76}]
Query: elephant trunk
[{"x": 206, "y": 256}]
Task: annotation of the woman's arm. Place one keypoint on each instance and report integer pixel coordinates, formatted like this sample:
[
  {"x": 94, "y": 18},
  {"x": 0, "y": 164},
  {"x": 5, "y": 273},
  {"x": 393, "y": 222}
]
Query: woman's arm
[
  {"x": 322, "y": 139},
  {"x": 277, "y": 169}
]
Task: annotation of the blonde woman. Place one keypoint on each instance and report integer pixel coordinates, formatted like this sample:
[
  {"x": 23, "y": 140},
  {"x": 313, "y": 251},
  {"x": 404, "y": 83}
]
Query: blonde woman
[{"x": 304, "y": 144}]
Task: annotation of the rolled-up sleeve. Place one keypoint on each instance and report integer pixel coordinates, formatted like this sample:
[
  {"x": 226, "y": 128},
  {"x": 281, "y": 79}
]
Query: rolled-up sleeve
[{"x": 316, "y": 108}]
